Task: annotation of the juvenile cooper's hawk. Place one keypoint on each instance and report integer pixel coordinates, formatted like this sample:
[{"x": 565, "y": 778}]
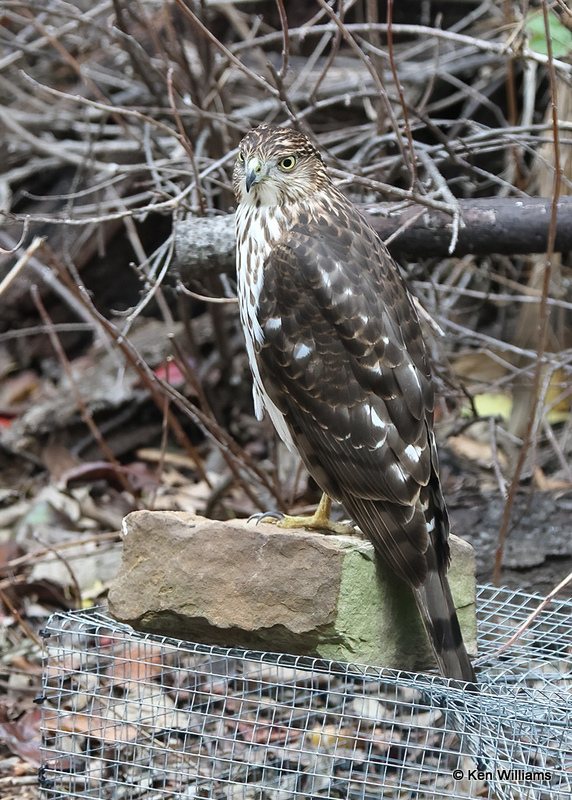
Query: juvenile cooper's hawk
[{"x": 339, "y": 364}]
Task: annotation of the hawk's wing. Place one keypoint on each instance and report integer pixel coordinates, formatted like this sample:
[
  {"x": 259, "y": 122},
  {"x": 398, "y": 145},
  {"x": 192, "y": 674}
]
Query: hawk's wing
[{"x": 343, "y": 359}]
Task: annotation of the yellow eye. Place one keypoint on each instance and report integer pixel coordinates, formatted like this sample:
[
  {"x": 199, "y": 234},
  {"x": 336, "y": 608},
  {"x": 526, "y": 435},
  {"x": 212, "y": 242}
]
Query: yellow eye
[
  {"x": 287, "y": 163},
  {"x": 241, "y": 156}
]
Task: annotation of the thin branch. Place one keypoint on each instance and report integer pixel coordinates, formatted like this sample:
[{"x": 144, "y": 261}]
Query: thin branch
[
  {"x": 85, "y": 413},
  {"x": 382, "y": 94},
  {"x": 544, "y": 316},
  {"x": 258, "y": 79},
  {"x": 531, "y": 617},
  {"x": 184, "y": 139},
  {"x": 285, "y": 40},
  {"x": 411, "y": 161},
  {"x": 204, "y": 298},
  {"x": 21, "y": 622},
  {"x": 20, "y": 263},
  {"x": 423, "y": 31}
]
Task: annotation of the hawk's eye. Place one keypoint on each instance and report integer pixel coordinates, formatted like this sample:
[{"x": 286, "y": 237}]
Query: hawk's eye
[
  {"x": 287, "y": 163},
  {"x": 241, "y": 156}
]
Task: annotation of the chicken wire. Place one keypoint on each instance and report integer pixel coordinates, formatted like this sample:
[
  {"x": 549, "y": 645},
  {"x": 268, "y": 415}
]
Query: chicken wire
[{"x": 130, "y": 715}]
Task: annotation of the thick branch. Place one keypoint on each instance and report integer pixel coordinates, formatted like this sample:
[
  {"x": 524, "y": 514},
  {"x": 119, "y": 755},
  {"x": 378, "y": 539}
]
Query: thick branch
[
  {"x": 505, "y": 225},
  {"x": 491, "y": 225}
]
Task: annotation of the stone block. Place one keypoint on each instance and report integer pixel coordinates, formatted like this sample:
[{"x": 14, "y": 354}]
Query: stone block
[{"x": 258, "y": 586}]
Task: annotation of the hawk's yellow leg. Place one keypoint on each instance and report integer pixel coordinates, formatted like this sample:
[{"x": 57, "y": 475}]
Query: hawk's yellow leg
[{"x": 319, "y": 521}]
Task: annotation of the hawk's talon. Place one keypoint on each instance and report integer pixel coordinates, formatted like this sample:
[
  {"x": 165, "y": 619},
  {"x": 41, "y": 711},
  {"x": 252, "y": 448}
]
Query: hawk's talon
[{"x": 260, "y": 515}]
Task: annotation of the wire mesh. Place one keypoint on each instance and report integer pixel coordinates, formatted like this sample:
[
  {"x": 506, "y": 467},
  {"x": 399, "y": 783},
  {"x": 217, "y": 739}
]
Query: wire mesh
[{"x": 129, "y": 715}]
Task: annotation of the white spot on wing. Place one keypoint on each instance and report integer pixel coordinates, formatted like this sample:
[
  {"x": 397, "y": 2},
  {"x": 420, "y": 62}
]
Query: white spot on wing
[
  {"x": 302, "y": 351},
  {"x": 413, "y": 453},
  {"x": 413, "y": 370},
  {"x": 376, "y": 420}
]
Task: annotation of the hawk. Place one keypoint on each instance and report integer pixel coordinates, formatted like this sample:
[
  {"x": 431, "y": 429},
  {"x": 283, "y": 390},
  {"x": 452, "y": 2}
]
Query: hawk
[{"x": 340, "y": 365}]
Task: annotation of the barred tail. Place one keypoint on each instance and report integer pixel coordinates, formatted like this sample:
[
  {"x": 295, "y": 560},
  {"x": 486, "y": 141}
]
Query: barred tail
[{"x": 439, "y": 617}]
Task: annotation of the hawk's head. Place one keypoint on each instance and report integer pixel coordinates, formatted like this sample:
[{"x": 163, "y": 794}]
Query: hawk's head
[{"x": 275, "y": 166}]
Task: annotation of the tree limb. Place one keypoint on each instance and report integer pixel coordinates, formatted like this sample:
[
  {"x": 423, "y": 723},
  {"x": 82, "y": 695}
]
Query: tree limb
[{"x": 502, "y": 225}]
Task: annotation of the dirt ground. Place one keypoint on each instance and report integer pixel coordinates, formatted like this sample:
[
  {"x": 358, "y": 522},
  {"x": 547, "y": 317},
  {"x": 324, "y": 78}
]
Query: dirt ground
[{"x": 538, "y": 551}]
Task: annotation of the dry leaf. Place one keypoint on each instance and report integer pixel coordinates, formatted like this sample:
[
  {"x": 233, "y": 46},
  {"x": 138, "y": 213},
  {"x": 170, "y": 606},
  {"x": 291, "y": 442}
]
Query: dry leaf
[
  {"x": 22, "y": 737},
  {"x": 480, "y": 452}
]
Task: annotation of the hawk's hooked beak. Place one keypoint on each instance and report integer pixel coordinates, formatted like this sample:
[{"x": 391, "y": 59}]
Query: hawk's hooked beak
[{"x": 254, "y": 173}]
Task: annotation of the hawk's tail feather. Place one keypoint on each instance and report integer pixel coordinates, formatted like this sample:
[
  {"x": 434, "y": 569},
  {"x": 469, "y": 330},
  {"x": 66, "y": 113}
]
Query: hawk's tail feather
[
  {"x": 440, "y": 619},
  {"x": 425, "y": 572}
]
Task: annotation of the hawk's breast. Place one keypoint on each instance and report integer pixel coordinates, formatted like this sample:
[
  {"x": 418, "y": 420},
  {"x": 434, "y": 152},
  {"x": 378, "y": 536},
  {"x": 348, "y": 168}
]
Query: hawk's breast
[{"x": 257, "y": 231}]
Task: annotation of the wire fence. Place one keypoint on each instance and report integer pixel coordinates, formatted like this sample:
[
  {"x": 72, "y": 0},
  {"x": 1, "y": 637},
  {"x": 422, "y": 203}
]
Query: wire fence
[{"x": 130, "y": 715}]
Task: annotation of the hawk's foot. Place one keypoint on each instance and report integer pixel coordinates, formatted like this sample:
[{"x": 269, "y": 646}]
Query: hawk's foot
[{"x": 319, "y": 521}]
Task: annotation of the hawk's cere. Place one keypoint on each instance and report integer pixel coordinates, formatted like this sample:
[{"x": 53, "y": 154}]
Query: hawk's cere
[{"x": 339, "y": 363}]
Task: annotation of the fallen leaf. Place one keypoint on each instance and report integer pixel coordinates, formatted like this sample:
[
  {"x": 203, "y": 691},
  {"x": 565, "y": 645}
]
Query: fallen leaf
[
  {"x": 22, "y": 737},
  {"x": 171, "y": 373},
  {"x": 58, "y": 459},
  {"x": 135, "y": 662},
  {"x": 95, "y": 725},
  {"x": 547, "y": 484},
  {"x": 493, "y": 405},
  {"x": 480, "y": 452},
  {"x": 137, "y": 475}
]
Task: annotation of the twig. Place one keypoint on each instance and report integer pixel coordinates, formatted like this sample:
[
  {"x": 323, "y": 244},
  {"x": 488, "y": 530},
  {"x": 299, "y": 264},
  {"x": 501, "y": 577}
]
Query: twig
[
  {"x": 285, "y": 40},
  {"x": 41, "y": 145},
  {"x": 158, "y": 388},
  {"x": 163, "y": 444},
  {"x": 19, "y": 619},
  {"x": 65, "y": 562},
  {"x": 85, "y": 413},
  {"x": 164, "y": 253},
  {"x": 69, "y": 27},
  {"x": 376, "y": 79},
  {"x": 538, "y": 610},
  {"x": 494, "y": 452},
  {"x": 447, "y": 195},
  {"x": 40, "y": 330},
  {"x": 30, "y": 558},
  {"x": 19, "y": 243},
  {"x": 564, "y": 465},
  {"x": 216, "y": 300},
  {"x": 258, "y": 79},
  {"x": 21, "y": 780},
  {"x": 544, "y": 317},
  {"x": 184, "y": 139},
  {"x": 155, "y": 290},
  {"x": 411, "y": 161},
  {"x": 75, "y": 65},
  {"x": 147, "y": 376},
  {"x": 423, "y": 31},
  {"x": 21, "y": 263},
  {"x": 496, "y": 344},
  {"x": 206, "y": 409},
  {"x": 108, "y": 108}
]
